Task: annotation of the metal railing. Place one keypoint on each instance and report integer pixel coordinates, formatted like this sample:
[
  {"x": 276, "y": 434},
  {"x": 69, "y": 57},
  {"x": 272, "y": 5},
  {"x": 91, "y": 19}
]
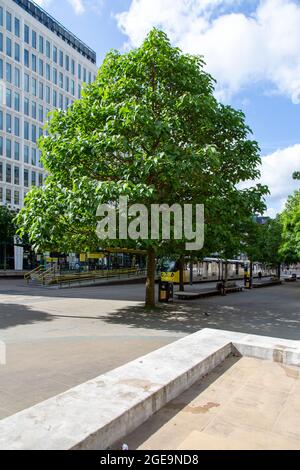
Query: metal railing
[
  {"x": 37, "y": 270},
  {"x": 97, "y": 276}
]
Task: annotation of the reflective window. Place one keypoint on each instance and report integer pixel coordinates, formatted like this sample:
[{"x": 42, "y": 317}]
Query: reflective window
[
  {"x": 61, "y": 58},
  {"x": 26, "y": 106},
  {"x": 48, "y": 72},
  {"x": 17, "y": 126},
  {"x": 8, "y": 97},
  {"x": 33, "y": 133},
  {"x": 34, "y": 86},
  {"x": 41, "y": 67},
  {"x": 26, "y": 178},
  {"x": 8, "y": 148},
  {"x": 8, "y": 21},
  {"x": 17, "y": 151},
  {"x": 1, "y": 69},
  {"x": 61, "y": 80},
  {"x": 33, "y": 39},
  {"x": 26, "y": 130},
  {"x": 8, "y": 123},
  {"x": 33, "y": 109},
  {"x": 48, "y": 52},
  {"x": 17, "y": 27},
  {"x": 8, "y": 47},
  {"x": 1, "y": 42},
  {"x": 26, "y": 34},
  {"x": 26, "y": 154},
  {"x": 16, "y": 198},
  {"x": 41, "y": 91},
  {"x": 8, "y": 168},
  {"x": 54, "y": 76},
  {"x": 8, "y": 196},
  {"x": 67, "y": 82},
  {"x": 17, "y": 175},
  {"x": 33, "y": 156},
  {"x": 17, "y": 52},
  {"x": 8, "y": 72},
  {"x": 17, "y": 101},
  {"x": 55, "y": 54},
  {"x": 41, "y": 44},
  {"x": 26, "y": 82},
  {"x": 33, "y": 62},
  {"x": 41, "y": 113},
  {"x": 26, "y": 57}
]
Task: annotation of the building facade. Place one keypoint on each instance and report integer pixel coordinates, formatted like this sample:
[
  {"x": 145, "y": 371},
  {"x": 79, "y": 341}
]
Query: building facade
[{"x": 42, "y": 66}]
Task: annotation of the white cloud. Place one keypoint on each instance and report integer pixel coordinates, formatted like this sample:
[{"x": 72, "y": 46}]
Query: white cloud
[
  {"x": 78, "y": 6},
  {"x": 239, "y": 48},
  {"x": 276, "y": 172}
]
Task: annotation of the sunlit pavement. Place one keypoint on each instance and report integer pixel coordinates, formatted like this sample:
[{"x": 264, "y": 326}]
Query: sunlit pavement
[{"x": 56, "y": 339}]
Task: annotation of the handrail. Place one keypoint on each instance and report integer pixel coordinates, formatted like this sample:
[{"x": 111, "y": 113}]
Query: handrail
[
  {"x": 46, "y": 273},
  {"x": 119, "y": 274},
  {"x": 27, "y": 276}
]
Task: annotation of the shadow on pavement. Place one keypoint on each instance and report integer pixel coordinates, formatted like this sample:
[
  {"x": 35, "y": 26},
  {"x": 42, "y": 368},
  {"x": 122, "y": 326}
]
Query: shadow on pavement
[{"x": 16, "y": 314}]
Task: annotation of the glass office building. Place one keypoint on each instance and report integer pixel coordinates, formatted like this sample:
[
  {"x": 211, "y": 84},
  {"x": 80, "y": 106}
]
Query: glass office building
[{"x": 42, "y": 66}]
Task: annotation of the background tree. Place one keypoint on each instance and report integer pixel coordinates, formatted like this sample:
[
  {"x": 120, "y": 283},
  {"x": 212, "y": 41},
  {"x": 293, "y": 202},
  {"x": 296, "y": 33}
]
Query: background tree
[
  {"x": 148, "y": 128},
  {"x": 290, "y": 220},
  {"x": 7, "y": 231}
]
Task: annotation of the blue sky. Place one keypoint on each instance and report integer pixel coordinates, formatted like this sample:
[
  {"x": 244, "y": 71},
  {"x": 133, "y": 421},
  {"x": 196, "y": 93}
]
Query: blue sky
[{"x": 252, "y": 48}]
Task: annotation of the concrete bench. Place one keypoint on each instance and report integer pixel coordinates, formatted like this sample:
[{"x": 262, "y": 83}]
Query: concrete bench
[
  {"x": 229, "y": 286},
  {"x": 186, "y": 295},
  {"x": 271, "y": 282}
]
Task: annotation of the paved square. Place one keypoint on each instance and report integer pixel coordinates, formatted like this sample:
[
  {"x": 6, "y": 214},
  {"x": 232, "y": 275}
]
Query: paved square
[
  {"x": 242, "y": 404},
  {"x": 56, "y": 339}
]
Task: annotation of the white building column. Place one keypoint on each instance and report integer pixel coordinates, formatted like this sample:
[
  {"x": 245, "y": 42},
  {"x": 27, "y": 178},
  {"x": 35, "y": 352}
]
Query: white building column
[{"x": 18, "y": 256}]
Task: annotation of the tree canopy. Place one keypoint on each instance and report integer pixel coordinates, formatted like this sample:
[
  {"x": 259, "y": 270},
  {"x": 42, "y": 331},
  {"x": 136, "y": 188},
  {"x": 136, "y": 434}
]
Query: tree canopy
[
  {"x": 290, "y": 219},
  {"x": 149, "y": 128}
]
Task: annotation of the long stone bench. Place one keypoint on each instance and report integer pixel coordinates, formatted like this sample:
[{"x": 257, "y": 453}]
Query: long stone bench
[
  {"x": 271, "y": 282},
  {"x": 187, "y": 295},
  {"x": 99, "y": 412},
  {"x": 229, "y": 287}
]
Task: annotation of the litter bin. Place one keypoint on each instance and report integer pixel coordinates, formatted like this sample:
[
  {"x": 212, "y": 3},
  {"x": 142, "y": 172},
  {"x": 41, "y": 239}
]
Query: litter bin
[
  {"x": 247, "y": 281},
  {"x": 165, "y": 291}
]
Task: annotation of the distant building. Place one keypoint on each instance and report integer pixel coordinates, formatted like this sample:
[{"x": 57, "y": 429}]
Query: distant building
[
  {"x": 42, "y": 66},
  {"x": 261, "y": 220}
]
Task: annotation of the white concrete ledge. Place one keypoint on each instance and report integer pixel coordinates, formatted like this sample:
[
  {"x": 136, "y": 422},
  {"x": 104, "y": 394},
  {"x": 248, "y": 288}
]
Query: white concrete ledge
[{"x": 101, "y": 411}]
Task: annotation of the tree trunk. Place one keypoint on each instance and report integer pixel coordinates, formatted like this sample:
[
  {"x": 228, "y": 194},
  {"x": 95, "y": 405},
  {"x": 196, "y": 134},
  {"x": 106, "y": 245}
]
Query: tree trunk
[
  {"x": 181, "y": 280},
  {"x": 191, "y": 271},
  {"x": 226, "y": 271},
  {"x": 251, "y": 273},
  {"x": 150, "y": 282},
  {"x": 279, "y": 270},
  {"x": 4, "y": 256}
]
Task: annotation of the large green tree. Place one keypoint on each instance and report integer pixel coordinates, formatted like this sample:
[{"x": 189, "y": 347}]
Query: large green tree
[{"x": 150, "y": 128}]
